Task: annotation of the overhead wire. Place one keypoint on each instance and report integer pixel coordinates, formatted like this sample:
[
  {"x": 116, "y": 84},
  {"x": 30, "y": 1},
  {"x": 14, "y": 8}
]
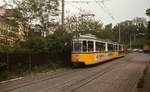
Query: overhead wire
[
  {"x": 105, "y": 9},
  {"x": 100, "y": 3},
  {"x": 78, "y": 8},
  {"x": 110, "y": 14}
]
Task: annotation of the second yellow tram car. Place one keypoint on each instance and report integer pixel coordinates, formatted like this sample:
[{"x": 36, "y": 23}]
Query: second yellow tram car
[{"x": 88, "y": 50}]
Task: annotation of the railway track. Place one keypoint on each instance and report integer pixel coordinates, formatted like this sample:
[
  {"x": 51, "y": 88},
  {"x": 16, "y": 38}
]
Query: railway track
[
  {"x": 93, "y": 77},
  {"x": 68, "y": 86},
  {"x": 83, "y": 82},
  {"x": 38, "y": 80},
  {"x": 73, "y": 86}
]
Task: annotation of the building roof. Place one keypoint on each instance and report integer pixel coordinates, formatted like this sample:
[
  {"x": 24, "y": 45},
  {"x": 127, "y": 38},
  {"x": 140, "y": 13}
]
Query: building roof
[
  {"x": 9, "y": 13},
  {"x": 10, "y": 22}
]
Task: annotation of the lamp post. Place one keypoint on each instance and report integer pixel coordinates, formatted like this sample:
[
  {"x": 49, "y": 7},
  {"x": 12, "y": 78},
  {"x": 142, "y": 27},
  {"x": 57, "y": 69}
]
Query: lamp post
[
  {"x": 130, "y": 42},
  {"x": 119, "y": 33},
  {"x": 63, "y": 14}
]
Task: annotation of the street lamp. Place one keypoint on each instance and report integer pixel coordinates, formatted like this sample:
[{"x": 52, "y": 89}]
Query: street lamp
[
  {"x": 130, "y": 42},
  {"x": 63, "y": 14},
  {"x": 119, "y": 33}
]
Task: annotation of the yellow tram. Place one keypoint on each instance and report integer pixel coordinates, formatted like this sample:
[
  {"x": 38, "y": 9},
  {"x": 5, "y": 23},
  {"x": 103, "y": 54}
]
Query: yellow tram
[{"x": 88, "y": 50}]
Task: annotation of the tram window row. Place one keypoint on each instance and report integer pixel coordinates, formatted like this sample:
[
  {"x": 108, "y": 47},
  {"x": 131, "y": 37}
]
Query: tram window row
[{"x": 95, "y": 46}]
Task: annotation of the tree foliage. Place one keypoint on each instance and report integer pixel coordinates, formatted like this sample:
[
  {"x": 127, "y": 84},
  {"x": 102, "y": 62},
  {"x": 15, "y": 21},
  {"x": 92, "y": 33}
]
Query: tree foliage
[
  {"x": 148, "y": 12},
  {"x": 84, "y": 25},
  {"x": 35, "y": 44},
  {"x": 88, "y": 25},
  {"x": 129, "y": 31},
  {"x": 106, "y": 33},
  {"x": 5, "y": 48},
  {"x": 42, "y": 12},
  {"x": 148, "y": 33},
  {"x": 148, "y": 27},
  {"x": 59, "y": 41}
]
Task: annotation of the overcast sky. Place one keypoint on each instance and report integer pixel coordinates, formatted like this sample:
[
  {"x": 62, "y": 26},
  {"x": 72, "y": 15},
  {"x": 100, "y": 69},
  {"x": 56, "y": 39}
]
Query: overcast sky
[{"x": 120, "y": 9}]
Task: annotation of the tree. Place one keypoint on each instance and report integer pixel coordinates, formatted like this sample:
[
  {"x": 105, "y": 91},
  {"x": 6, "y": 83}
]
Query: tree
[
  {"x": 5, "y": 48},
  {"x": 108, "y": 33},
  {"x": 60, "y": 40},
  {"x": 148, "y": 12},
  {"x": 130, "y": 31},
  {"x": 42, "y": 12},
  {"x": 35, "y": 44},
  {"x": 88, "y": 25},
  {"x": 148, "y": 33},
  {"x": 71, "y": 23},
  {"x": 83, "y": 25},
  {"x": 148, "y": 27}
]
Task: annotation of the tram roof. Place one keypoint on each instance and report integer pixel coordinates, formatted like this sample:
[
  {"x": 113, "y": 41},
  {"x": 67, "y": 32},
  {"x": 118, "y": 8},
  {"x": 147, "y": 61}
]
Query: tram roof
[{"x": 93, "y": 37}]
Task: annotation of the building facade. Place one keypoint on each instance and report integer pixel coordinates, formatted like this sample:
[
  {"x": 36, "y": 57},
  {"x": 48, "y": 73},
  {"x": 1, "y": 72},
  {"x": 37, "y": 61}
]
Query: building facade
[
  {"x": 140, "y": 22},
  {"x": 11, "y": 31}
]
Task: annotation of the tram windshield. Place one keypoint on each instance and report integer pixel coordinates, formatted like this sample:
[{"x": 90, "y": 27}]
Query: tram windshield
[{"x": 83, "y": 46}]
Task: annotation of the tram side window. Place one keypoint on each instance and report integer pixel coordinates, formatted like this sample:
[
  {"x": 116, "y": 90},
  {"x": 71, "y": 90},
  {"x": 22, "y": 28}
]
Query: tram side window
[
  {"x": 90, "y": 46},
  {"x": 97, "y": 46},
  {"x": 100, "y": 46},
  {"x": 84, "y": 46},
  {"x": 77, "y": 46},
  {"x": 110, "y": 47},
  {"x": 120, "y": 47},
  {"x": 115, "y": 47}
]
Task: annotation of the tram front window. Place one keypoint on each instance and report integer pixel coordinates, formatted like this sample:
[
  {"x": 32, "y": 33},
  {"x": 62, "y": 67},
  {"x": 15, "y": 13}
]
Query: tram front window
[{"x": 77, "y": 46}]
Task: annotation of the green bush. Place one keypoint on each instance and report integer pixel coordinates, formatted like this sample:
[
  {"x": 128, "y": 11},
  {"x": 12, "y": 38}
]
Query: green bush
[
  {"x": 58, "y": 43},
  {"x": 35, "y": 44}
]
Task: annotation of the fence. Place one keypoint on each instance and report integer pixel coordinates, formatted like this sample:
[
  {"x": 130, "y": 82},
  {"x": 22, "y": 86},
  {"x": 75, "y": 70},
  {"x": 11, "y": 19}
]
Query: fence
[{"x": 13, "y": 61}]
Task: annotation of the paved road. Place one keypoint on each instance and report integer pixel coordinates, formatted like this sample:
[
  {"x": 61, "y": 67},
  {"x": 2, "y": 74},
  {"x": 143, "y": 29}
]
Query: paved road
[{"x": 120, "y": 75}]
